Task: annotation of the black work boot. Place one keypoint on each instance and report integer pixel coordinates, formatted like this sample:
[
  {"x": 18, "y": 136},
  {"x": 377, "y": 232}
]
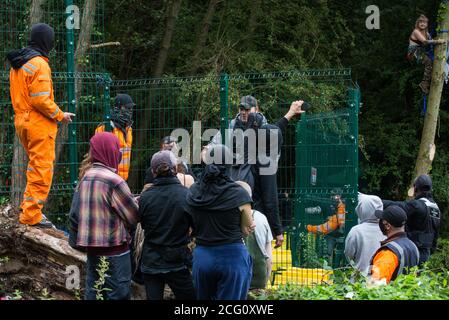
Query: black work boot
[{"x": 44, "y": 224}]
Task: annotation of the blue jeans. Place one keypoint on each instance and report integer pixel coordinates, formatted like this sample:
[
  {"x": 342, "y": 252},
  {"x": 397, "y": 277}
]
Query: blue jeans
[
  {"x": 222, "y": 272},
  {"x": 118, "y": 280}
]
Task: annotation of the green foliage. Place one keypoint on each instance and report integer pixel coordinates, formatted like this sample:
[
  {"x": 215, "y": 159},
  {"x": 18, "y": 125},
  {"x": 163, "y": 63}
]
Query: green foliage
[
  {"x": 4, "y": 260},
  {"x": 102, "y": 269},
  {"x": 77, "y": 294},
  {"x": 17, "y": 295},
  {"x": 45, "y": 295},
  {"x": 312, "y": 249},
  {"x": 439, "y": 260},
  {"x": 423, "y": 285},
  {"x": 3, "y": 200}
]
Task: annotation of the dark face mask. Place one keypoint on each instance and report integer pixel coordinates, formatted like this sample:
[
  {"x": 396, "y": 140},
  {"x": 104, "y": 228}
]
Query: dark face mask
[
  {"x": 382, "y": 227},
  {"x": 122, "y": 116}
]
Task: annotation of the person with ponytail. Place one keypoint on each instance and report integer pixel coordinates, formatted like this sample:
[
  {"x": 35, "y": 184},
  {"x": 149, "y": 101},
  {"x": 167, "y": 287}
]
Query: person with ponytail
[{"x": 222, "y": 215}]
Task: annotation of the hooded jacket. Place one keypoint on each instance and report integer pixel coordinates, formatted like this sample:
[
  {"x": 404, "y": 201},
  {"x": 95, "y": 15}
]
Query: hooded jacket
[
  {"x": 30, "y": 77},
  {"x": 364, "y": 239}
]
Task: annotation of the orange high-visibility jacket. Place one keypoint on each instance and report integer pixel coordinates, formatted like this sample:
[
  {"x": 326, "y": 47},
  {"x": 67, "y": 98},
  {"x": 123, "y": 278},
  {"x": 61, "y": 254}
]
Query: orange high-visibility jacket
[
  {"x": 31, "y": 89},
  {"x": 126, "y": 141},
  {"x": 384, "y": 265},
  {"x": 333, "y": 223}
]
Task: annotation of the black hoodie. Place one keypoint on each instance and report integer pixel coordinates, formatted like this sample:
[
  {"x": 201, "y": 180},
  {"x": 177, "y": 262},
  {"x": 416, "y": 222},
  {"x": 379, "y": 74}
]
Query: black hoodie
[{"x": 41, "y": 42}]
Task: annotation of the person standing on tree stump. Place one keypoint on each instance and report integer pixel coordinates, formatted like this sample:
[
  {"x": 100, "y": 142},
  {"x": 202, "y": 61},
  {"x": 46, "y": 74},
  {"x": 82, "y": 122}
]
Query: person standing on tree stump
[
  {"x": 35, "y": 120},
  {"x": 419, "y": 49}
]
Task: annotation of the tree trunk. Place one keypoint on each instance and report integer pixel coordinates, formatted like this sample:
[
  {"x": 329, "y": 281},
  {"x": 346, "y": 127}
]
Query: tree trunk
[
  {"x": 36, "y": 11},
  {"x": 252, "y": 23},
  {"x": 83, "y": 45},
  {"x": 173, "y": 11},
  {"x": 202, "y": 36},
  {"x": 20, "y": 159},
  {"x": 427, "y": 147},
  {"x": 173, "y": 8}
]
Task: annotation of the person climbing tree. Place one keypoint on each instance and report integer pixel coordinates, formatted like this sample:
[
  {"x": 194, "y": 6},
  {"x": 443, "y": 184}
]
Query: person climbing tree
[{"x": 420, "y": 49}]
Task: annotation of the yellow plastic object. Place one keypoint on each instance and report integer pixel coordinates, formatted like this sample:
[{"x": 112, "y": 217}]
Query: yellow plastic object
[
  {"x": 283, "y": 271},
  {"x": 300, "y": 276},
  {"x": 282, "y": 259}
]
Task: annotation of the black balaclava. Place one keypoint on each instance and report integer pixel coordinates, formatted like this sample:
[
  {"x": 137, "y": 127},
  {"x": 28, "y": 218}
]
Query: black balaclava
[
  {"x": 42, "y": 38},
  {"x": 122, "y": 117},
  {"x": 40, "y": 43}
]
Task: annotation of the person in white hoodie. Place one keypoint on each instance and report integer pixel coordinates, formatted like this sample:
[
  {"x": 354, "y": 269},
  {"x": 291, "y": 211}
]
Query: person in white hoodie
[{"x": 364, "y": 239}]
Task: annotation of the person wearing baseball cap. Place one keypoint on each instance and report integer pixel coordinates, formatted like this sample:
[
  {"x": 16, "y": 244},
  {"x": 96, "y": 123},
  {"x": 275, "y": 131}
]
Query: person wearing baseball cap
[
  {"x": 397, "y": 252},
  {"x": 423, "y": 217},
  {"x": 184, "y": 170},
  {"x": 165, "y": 255}
]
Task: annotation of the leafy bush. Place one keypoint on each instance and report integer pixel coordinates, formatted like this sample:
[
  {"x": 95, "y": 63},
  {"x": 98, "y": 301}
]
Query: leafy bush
[
  {"x": 439, "y": 261},
  {"x": 417, "y": 285}
]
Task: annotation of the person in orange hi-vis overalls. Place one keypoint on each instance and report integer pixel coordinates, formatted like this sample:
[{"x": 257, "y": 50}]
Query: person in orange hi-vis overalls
[
  {"x": 121, "y": 122},
  {"x": 36, "y": 117},
  {"x": 334, "y": 225}
]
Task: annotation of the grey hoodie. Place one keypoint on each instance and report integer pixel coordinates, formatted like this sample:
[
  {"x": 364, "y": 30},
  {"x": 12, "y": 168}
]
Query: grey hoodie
[{"x": 364, "y": 239}]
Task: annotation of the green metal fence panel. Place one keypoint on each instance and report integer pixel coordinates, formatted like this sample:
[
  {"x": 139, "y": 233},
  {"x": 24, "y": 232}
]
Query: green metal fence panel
[
  {"x": 275, "y": 91},
  {"x": 163, "y": 105},
  {"x": 327, "y": 164}
]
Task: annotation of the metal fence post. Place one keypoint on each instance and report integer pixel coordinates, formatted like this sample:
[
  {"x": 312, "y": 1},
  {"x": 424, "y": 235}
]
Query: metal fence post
[
  {"x": 224, "y": 89},
  {"x": 107, "y": 103},
  {"x": 71, "y": 98}
]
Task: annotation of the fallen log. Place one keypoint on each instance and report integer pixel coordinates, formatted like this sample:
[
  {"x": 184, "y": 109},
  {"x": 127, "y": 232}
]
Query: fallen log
[{"x": 39, "y": 263}]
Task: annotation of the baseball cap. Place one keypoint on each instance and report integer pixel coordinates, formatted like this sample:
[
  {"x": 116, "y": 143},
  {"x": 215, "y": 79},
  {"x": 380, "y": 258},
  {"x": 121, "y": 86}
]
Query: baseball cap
[
  {"x": 248, "y": 102},
  {"x": 163, "y": 158},
  {"x": 423, "y": 183},
  {"x": 394, "y": 215},
  {"x": 168, "y": 139},
  {"x": 123, "y": 99}
]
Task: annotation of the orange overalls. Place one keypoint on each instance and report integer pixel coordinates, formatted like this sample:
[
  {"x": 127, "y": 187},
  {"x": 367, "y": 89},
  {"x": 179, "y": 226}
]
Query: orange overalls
[
  {"x": 125, "y": 148},
  {"x": 333, "y": 222},
  {"x": 36, "y": 116}
]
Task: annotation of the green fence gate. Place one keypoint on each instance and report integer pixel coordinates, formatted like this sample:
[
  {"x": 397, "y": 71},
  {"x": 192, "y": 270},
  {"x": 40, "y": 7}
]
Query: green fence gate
[{"x": 327, "y": 165}]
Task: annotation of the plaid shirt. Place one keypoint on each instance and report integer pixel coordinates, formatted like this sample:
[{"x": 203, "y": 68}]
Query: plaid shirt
[{"x": 107, "y": 209}]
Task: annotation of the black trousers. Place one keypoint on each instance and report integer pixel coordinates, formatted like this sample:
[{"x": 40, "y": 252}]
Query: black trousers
[{"x": 180, "y": 282}]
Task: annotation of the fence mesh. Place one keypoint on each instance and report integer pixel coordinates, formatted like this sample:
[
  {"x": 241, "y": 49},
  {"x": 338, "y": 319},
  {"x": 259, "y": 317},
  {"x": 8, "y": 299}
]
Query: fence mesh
[{"x": 318, "y": 156}]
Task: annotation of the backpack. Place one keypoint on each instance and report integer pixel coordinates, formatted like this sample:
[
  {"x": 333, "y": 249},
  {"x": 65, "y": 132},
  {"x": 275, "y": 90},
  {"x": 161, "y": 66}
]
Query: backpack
[{"x": 434, "y": 219}]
